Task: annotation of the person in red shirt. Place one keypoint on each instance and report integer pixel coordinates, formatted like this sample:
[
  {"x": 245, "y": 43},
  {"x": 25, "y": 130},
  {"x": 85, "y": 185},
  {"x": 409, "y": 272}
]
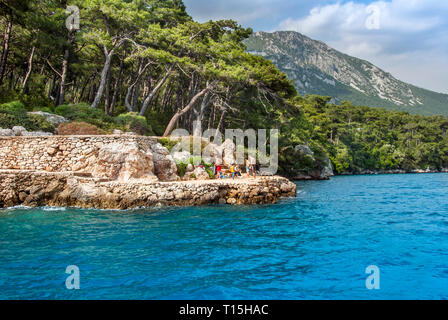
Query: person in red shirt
[{"x": 218, "y": 171}]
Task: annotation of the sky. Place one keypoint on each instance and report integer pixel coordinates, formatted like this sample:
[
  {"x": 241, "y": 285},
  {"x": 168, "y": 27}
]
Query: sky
[{"x": 408, "y": 38}]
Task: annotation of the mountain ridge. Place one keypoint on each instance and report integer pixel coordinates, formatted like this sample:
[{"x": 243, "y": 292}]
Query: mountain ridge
[{"x": 317, "y": 68}]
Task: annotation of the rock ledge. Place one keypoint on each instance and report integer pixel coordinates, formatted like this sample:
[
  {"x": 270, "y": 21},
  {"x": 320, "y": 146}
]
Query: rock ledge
[{"x": 40, "y": 188}]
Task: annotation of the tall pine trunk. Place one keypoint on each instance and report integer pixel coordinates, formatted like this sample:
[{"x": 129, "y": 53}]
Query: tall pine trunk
[
  {"x": 5, "y": 52},
  {"x": 64, "y": 73},
  {"x": 101, "y": 87},
  {"x": 154, "y": 91},
  {"x": 117, "y": 83},
  {"x": 30, "y": 68},
  {"x": 180, "y": 113}
]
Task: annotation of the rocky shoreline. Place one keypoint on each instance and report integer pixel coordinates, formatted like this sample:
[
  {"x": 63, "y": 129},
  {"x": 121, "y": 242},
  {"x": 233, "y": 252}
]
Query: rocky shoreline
[
  {"x": 40, "y": 188},
  {"x": 117, "y": 172}
]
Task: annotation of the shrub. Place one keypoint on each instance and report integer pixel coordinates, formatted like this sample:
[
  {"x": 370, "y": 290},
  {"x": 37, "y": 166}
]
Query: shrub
[
  {"x": 43, "y": 109},
  {"x": 133, "y": 122},
  {"x": 181, "y": 168},
  {"x": 83, "y": 113},
  {"x": 168, "y": 143},
  {"x": 38, "y": 122},
  {"x": 211, "y": 174},
  {"x": 13, "y": 106},
  {"x": 78, "y": 129},
  {"x": 36, "y": 98},
  {"x": 12, "y": 115}
]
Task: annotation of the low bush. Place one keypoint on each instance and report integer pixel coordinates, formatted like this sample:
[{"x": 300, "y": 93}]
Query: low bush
[
  {"x": 78, "y": 129},
  {"x": 83, "y": 113},
  {"x": 168, "y": 143},
  {"x": 131, "y": 121},
  {"x": 14, "y": 114},
  {"x": 181, "y": 168},
  {"x": 43, "y": 109},
  {"x": 13, "y": 106}
]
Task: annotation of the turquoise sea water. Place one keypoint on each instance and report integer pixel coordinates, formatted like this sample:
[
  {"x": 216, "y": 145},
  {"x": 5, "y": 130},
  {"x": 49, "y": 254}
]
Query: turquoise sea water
[{"x": 316, "y": 246}]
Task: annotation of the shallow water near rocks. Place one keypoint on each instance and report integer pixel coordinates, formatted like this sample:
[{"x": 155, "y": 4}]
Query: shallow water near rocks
[{"x": 316, "y": 246}]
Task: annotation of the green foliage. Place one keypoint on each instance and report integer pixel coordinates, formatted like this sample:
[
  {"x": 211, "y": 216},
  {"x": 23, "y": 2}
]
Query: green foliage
[
  {"x": 364, "y": 138},
  {"x": 168, "y": 143},
  {"x": 209, "y": 171},
  {"x": 181, "y": 168},
  {"x": 13, "y": 114},
  {"x": 13, "y": 106},
  {"x": 43, "y": 109},
  {"x": 83, "y": 113},
  {"x": 133, "y": 122}
]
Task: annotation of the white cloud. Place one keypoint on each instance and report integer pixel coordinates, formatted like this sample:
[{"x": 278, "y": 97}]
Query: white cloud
[
  {"x": 258, "y": 14},
  {"x": 239, "y": 10},
  {"x": 411, "y": 42}
]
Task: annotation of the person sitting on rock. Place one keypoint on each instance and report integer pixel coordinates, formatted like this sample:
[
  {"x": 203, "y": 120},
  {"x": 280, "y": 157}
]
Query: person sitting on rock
[
  {"x": 238, "y": 172},
  {"x": 235, "y": 170}
]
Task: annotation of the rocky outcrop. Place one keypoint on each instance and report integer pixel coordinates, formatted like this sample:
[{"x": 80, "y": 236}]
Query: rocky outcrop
[
  {"x": 6, "y": 132},
  {"x": 304, "y": 150},
  {"x": 19, "y": 131},
  {"x": 324, "y": 168},
  {"x": 52, "y": 118},
  {"x": 201, "y": 174},
  {"x": 225, "y": 153},
  {"x": 164, "y": 166},
  {"x": 32, "y": 188},
  {"x": 122, "y": 162},
  {"x": 183, "y": 156}
]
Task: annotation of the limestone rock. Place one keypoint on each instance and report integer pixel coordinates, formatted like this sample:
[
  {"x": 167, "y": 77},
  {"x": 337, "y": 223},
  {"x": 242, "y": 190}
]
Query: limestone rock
[
  {"x": 164, "y": 166},
  {"x": 327, "y": 171},
  {"x": 63, "y": 189},
  {"x": 19, "y": 131},
  {"x": 52, "y": 118},
  {"x": 183, "y": 156},
  {"x": 6, "y": 132},
  {"x": 36, "y": 134},
  {"x": 122, "y": 161},
  {"x": 201, "y": 174}
]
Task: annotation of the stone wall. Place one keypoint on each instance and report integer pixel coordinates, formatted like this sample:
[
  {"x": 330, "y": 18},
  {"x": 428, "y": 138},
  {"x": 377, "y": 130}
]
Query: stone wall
[
  {"x": 59, "y": 153},
  {"x": 120, "y": 158}
]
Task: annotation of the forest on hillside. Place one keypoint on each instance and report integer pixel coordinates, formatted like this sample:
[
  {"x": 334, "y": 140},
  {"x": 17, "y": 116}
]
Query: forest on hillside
[{"x": 146, "y": 66}]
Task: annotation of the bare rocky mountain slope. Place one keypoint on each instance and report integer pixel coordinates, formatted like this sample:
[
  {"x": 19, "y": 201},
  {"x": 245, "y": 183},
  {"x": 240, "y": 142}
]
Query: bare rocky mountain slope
[{"x": 319, "y": 69}]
